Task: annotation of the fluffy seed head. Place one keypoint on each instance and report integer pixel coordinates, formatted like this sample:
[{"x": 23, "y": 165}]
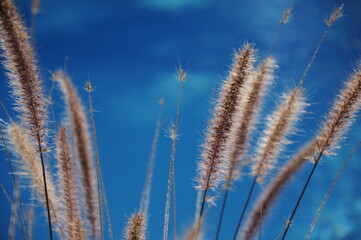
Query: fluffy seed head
[
  {"x": 341, "y": 116},
  {"x": 67, "y": 187},
  {"x": 24, "y": 148},
  {"x": 136, "y": 227},
  {"x": 279, "y": 125},
  {"x": 22, "y": 71},
  {"x": 286, "y": 15},
  {"x": 80, "y": 131},
  {"x": 182, "y": 75},
  {"x": 336, "y": 14},
  {"x": 245, "y": 117},
  {"x": 210, "y": 167}
]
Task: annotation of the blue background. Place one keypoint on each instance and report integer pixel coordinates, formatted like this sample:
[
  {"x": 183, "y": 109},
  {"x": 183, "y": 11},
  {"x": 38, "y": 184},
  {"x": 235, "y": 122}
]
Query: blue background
[{"x": 129, "y": 50}]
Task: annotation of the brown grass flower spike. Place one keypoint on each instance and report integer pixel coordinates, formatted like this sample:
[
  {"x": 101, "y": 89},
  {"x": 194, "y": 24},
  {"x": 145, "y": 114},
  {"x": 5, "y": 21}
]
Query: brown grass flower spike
[
  {"x": 341, "y": 116},
  {"x": 29, "y": 166},
  {"x": 244, "y": 120},
  {"x": 286, "y": 16},
  {"x": 210, "y": 173},
  {"x": 245, "y": 117},
  {"x": 136, "y": 227},
  {"x": 80, "y": 131},
  {"x": 279, "y": 126},
  {"x": 336, "y": 14},
  {"x": 69, "y": 197},
  {"x": 25, "y": 83}
]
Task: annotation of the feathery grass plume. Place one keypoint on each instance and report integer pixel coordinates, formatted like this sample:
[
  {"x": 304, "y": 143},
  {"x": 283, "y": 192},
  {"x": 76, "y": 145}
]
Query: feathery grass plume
[
  {"x": 136, "y": 227},
  {"x": 210, "y": 173},
  {"x": 342, "y": 114},
  {"x": 336, "y": 14},
  {"x": 273, "y": 190},
  {"x": 30, "y": 167},
  {"x": 182, "y": 75},
  {"x": 312, "y": 226},
  {"x": 145, "y": 199},
  {"x": 68, "y": 193},
  {"x": 279, "y": 125},
  {"x": 244, "y": 120},
  {"x": 22, "y": 71},
  {"x": 79, "y": 232},
  {"x": 286, "y": 16},
  {"x": 245, "y": 117},
  {"x": 80, "y": 131},
  {"x": 25, "y": 83},
  {"x": 89, "y": 89}
]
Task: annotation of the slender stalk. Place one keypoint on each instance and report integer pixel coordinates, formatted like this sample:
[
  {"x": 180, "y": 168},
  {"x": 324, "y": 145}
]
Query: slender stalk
[
  {"x": 245, "y": 207},
  {"x": 171, "y": 178},
  {"x": 222, "y": 212},
  {"x": 30, "y": 215},
  {"x": 333, "y": 17},
  {"x": 45, "y": 185},
  {"x": 89, "y": 89},
  {"x": 304, "y": 74},
  {"x": 145, "y": 199},
  {"x": 13, "y": 221},
  {"x": 317, "y": 160},
  {"x": 260, "y": 227},
  {"x": 285, "y": 18},
  {"x": 174, "y": 202},
  {"x": 107, "y": 212},
  {"x": 289, "y": 221},
  {"x": 273, "y": 190},
  {"x": 330, "y": 190}
]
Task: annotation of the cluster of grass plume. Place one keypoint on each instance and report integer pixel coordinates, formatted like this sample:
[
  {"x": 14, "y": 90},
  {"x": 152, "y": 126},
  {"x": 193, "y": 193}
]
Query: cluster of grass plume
[{"x": 72, "y": 193}]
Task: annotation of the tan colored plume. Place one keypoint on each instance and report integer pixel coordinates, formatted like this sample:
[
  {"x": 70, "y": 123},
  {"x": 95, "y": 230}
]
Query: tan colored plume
[
  {"x": 336, "y": 14},
  {"x": 279, "y": 125},
  {"x": 210, "y": 173},
  {"x": 136, "y": 227},
  {"x": 341, "y": 116},
  {"x": 67, "y": 186},
  {"x": 81, "y": 135},
  {"x": 286, "y": 15},
  {"x": 245, "y": 117},
  {"x": 30, "y": 167}
]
